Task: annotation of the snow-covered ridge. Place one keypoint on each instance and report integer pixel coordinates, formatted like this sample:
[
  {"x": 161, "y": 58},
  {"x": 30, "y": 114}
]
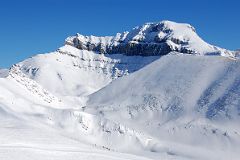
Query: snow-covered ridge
[
  {"x": 150, "y": 39},
  {"x": 74, "y": 72},
  {"x": 32, "y": 86}
]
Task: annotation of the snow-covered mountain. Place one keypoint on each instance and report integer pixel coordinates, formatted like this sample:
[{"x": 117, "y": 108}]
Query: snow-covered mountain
[
  {"x": 150, "y": 39},
  {"x": 80, "y": 67},
  {"x": 151, "y": 93}
]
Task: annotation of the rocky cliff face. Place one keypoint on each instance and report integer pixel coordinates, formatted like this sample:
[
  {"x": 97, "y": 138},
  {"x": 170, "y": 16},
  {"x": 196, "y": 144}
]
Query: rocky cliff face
[{"x": 150, "y": 39}]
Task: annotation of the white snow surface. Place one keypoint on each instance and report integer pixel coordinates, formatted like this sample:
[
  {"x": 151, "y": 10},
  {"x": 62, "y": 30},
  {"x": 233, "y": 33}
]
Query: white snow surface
[
  {"x": 179, "y": 101},
  {"x": 33, "y": 128}
]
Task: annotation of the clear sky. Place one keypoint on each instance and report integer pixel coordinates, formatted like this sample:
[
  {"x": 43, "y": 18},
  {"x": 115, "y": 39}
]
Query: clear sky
[{"x": 29, "y": 27}]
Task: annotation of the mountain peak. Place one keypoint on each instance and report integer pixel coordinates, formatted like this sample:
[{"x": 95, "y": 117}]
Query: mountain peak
[
  {"x": 162, "y": 31},
  {"x": 150, "y": 39},
  {"x": 169, "y": 25}
]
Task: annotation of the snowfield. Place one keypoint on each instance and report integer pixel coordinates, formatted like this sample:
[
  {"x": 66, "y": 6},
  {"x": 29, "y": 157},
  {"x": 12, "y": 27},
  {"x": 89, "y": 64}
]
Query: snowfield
[
  {"x": 77, "y": 103},
  {"x": 190, "y": 100}
]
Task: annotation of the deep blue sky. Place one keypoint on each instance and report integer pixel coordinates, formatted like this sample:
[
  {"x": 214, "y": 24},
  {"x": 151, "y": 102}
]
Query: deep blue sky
[{"x": 28, "y": 27}]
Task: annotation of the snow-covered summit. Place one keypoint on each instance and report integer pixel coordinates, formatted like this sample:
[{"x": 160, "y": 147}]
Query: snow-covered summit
[{"x": 150, "y": 39}]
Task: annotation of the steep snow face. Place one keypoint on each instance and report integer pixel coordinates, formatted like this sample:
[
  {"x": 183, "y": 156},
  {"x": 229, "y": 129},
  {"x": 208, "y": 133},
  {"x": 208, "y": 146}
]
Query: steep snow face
[
  {"x": 176, "y": 99},
  {"x": 73, "y": 72},
  {"x": 32, "y": 86},
  {"x": 150, "y": 39},
  {"x": 20, "y": 95},
  {"x": 167, "y": 84}
]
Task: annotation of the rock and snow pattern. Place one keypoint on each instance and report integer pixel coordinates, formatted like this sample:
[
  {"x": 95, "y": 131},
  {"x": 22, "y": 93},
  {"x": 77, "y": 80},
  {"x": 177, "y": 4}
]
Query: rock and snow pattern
[
  {"x": 156, "y": 92},
  {"x": 150, "y": 39}
]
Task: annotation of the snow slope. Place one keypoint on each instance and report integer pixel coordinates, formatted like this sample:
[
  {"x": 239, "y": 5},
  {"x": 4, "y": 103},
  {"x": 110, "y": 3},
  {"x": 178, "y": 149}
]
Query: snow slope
[
  {"x": 27, "y": 140},
  {"x": 179, "y": 101},
  {"x": 32, "y": 127}
]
